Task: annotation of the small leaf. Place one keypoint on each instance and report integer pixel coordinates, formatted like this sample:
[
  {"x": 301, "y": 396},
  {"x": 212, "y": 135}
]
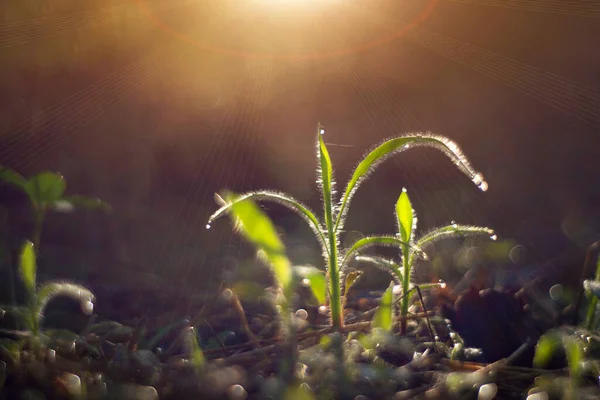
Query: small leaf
[
  {"x": 404, "y": 214},
  {"x": 45, "y": 187},
  {"x": 28, "y": 267},
  {"x": 318, "y": 286},
  {"x": 260, "y": 231},
  {"x": 383, "y": 315},
  {"x": 575, "y": 356},
  {"x": 196, "y": 354},
  {"x": 351, "y": 279},
  {"x": 12, "y": 177},
  {"x": 545, "y": 349},
  {"x": 86, "y": 202}
]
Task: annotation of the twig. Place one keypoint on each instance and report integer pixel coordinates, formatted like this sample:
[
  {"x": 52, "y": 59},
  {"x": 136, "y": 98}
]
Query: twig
[
  {"x": 240, "y": 311},
  {"x": 427, "y": 318},
  {"x": 357, "y": 327}
]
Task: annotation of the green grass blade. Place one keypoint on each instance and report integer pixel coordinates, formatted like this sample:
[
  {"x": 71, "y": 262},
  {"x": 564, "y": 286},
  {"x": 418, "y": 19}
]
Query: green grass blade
[
  {"x": 318, "y": 286},
  {"x": 452, "y": 231},
  {"x": 387, "y": 265},
  {"x": 325, "y": 180},
  {"x": 395, "y": 146},
  {"x": 12, "y": 177},
  {"x": 575, "y": 356},
  {"x": 287, "y": 201},
  {"x": 351, "y": 279},
  {"x": 370, "y": 241},
  {"x": 28, "y": 268},
  {"x": 45, "y": 187},
  {"x": 383, "y": 316},
  {"x": 260, "y": 231},
  {"x": 405, "y": 217},
  {"x": 51, "y": 290},
  {"x": 196, "y": 354}
]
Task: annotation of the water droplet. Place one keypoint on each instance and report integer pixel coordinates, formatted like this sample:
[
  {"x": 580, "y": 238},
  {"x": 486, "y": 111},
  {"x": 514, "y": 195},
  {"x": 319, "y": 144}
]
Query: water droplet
[
  {"x": 397, "y": 290},
  {"x": 302, "y": 314},
  {"x": 404, "y": 190},
  {"x": 478, "y": 179},
  {"x": 236, "y": 392},
  {"x": 442, "y": 284},
  {"x": 322, "y": 131},
  {"x": 487, "y": 391},
  {"x": 306, "y": 281},
  {"x": 483, "y": 186},
  {"x": 207, "y": 226},
  {"x": 87, "y": 307},
  {"x": 323, "y": 309},
  {"x": 494, "y": 237}
]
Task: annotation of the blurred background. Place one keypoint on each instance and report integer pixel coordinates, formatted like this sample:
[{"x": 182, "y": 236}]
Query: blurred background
[{"x": 155, "y": 105}]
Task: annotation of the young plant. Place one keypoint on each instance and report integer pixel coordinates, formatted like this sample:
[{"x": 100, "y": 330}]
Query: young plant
[
  {"x": 406, "y": 219},
  {"x": 328, "y": 230},
  {"x": 46, "y": 192},
  {"x": 38, "y": 298}
]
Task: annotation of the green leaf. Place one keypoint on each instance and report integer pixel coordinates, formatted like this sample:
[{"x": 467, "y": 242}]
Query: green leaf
[
  {"x": 383, "y": 315},
  {"x": 50, "y": 290},
  {"x": 325, "y": 180},
  {"x": 27, "y": 266},
  {"x": 397, "y": 145},
  {"x": 85, "y": 202},
  {"x": 196, "y": 354},
  {"x": 545, "y": 349},
  {"x": 404, "y": 215},
  {"x": 387, "y": 265},
  {"x": 45, "y": 187},
  {"x": 260, "y": 231},
  {"x": 318, "y": 286},
  {"x": 287, "y": 201},
  {"x": 351, "y": 279},
  {"x": 575, "y": 356},
  {"x": 371, "y": 241},
  {"x": 12, "y": 177}
]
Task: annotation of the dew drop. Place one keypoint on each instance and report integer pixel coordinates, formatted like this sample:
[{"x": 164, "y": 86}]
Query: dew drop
[
  {"x": 322, "y": 131},
  {"x": 302, "y": 314},
  {"x": 483, "y": 186},
  {"x": 478, "y": 179},
  {"x": 442, "y": 284},
  {"x": 306, "y": 281},
  {"x": 404, "y": 190},
  {"x": 323, "y": 309},
  {"x": 494, "y": 237}
]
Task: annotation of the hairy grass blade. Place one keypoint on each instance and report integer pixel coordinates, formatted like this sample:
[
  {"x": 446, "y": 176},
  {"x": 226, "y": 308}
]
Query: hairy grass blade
[{"x": 396, "y": 145}]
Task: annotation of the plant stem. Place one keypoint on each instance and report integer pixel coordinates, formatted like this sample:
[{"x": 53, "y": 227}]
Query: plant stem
[
  {"x": 405, "y": 284},
  {"x": 334, "y": 284}
]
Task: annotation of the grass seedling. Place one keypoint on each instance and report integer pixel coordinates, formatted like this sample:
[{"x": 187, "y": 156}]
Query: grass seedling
[
  {"x": 46, "y": 191},
  {"x": 38, "y": 298},
  {"x": 328, "y": 230},
  {"x": 406, "y": 220}
]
